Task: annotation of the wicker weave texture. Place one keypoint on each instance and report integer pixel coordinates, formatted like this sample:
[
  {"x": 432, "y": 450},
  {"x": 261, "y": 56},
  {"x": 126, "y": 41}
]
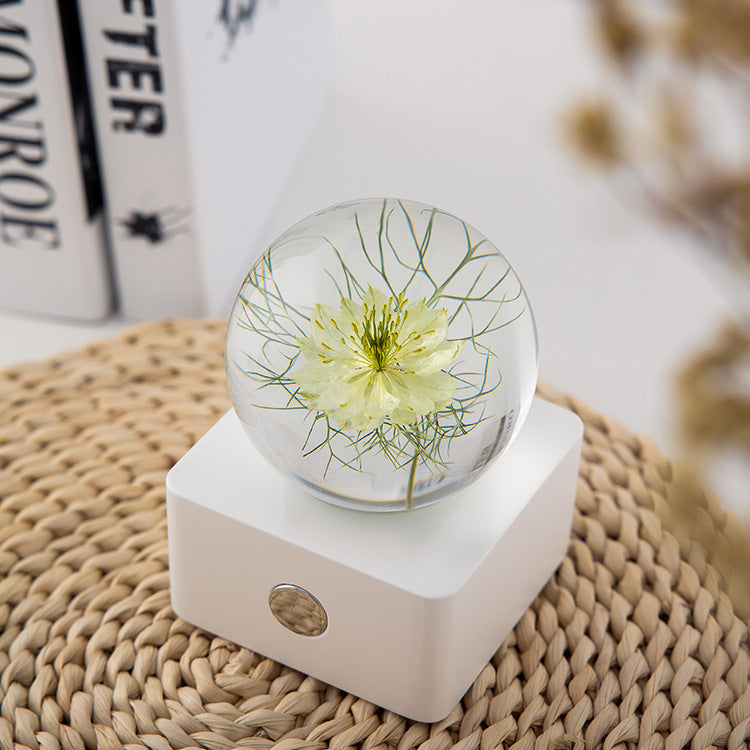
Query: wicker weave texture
[{"x": 631, "y": 644}]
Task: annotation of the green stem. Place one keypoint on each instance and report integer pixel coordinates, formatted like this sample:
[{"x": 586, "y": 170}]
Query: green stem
[{"x": 410, "y": 486}]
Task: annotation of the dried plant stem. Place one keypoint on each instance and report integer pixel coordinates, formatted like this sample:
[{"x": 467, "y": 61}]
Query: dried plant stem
[{"x": 410, "y": 486}]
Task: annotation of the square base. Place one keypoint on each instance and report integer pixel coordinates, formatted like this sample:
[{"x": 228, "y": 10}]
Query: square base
[{"x": 416, "y": 602}]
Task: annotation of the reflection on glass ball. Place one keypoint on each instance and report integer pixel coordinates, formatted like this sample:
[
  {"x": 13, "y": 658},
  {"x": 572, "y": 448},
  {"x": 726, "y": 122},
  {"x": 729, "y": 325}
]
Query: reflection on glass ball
[{"x": 382, "y": 353}]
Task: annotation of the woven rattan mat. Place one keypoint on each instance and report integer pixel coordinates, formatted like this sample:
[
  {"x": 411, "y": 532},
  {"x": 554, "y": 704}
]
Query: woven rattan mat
[{"x": 631, "y": 644}]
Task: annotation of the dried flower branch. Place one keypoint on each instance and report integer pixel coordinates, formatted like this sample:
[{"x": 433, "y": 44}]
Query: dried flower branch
[
  {"x": 620, "y": 33},
  {"x": 592, "y": 131},
  {"x": 714, "y": 28},
  {"x": 659, "y": 131},
  {"x": 713, "y": 400},
  {"x": 678, "y": 128}
]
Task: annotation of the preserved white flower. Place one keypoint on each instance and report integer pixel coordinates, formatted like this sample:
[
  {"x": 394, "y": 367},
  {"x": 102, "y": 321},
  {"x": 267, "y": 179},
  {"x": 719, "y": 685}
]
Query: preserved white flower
[
  {"x": 375, "y": 360},
  {"x": 382, "y": 353}
]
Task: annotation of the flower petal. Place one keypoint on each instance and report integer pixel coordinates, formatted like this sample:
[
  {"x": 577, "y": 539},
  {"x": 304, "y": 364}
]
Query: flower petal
[{"x": 424, "y": 363}]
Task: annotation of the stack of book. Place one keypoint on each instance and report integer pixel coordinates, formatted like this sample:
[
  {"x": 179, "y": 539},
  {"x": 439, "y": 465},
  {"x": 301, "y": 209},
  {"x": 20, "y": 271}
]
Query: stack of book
[{"x": 144, "y": 145}]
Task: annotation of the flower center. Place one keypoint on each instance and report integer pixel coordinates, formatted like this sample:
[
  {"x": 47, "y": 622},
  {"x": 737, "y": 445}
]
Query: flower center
[{"x": 380, "y": 328}]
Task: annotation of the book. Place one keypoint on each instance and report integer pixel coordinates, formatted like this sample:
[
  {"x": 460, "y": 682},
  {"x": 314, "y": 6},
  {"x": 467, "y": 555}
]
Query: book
[
  {"x": 53, "y": 257},
  {"x": 202, "y": 108}
]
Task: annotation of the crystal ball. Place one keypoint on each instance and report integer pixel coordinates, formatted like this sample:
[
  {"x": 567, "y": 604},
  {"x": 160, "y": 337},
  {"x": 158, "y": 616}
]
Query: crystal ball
[{"x": 382, "y": 353}]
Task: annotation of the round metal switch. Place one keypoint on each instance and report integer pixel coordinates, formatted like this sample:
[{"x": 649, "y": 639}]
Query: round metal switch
[{"x": 297, "y": 610}]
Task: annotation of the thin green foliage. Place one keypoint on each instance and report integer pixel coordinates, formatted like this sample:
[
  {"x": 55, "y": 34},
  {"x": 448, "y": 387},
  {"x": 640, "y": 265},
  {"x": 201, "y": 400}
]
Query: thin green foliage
[{"x": 477, "y": 309}]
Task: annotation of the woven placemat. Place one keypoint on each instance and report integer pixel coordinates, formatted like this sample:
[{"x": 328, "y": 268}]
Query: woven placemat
[{"x": 631, "y": 644}]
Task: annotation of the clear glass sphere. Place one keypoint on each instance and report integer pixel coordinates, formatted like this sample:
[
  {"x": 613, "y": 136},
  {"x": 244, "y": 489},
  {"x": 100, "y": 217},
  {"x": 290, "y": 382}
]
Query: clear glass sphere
[{"x": 382, "y": 353}]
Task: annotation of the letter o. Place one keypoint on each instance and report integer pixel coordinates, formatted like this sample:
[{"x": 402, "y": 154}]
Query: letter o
[
  {"x": 28, "y": 70},
  {"x": 34, "y": 194}
]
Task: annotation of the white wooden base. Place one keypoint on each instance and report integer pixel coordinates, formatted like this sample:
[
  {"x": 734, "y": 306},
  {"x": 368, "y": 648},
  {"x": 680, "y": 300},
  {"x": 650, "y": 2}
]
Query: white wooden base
[{"x": 417, "y": 602}]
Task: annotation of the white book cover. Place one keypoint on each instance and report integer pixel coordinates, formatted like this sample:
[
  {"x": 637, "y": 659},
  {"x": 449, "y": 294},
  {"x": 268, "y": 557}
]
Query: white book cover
[
  {"x": 202, "y": 108},
  {"x": 52, "y": 249}
]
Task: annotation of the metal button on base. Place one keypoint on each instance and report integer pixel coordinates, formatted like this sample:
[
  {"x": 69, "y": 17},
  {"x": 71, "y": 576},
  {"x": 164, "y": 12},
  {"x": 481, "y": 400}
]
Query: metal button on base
[{"x": 297, "y": 610}]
